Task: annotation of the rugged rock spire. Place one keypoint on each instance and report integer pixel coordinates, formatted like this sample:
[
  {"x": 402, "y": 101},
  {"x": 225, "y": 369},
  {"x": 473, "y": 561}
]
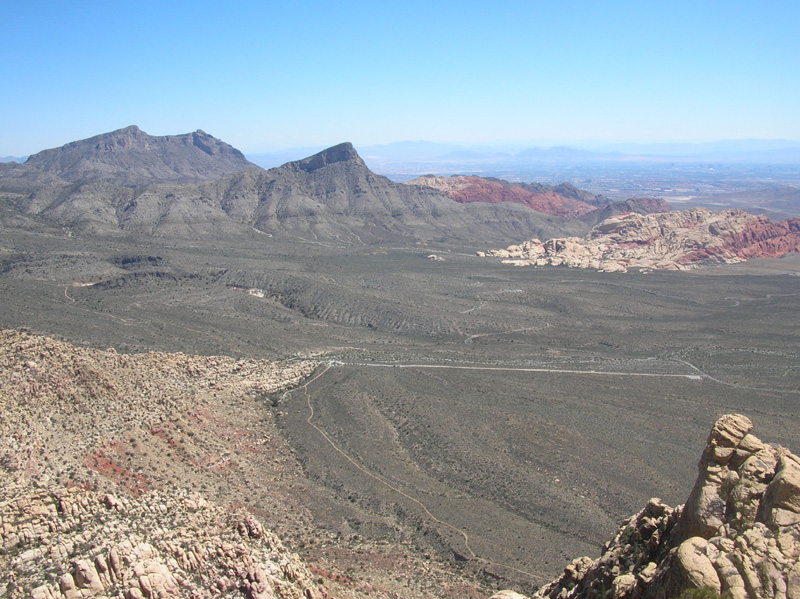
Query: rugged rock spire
[
  {"x": 738, "y": 532},
  {"x": 344, "y": 152}
]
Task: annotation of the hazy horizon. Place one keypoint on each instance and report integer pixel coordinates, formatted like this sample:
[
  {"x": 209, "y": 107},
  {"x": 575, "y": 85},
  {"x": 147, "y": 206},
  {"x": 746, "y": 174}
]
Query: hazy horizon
[
  {"x": 521, "y": 145},
  {"x": 600, "y": 146}
]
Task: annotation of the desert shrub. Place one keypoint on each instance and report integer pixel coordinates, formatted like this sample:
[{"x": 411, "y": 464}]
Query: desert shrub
[
  {"x": 599, "y": 591},
  {"x": 632, "y": 538}
]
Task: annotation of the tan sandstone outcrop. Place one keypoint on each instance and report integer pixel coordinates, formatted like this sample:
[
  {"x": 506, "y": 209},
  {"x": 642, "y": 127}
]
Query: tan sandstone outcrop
[
  {"x": 664, "y": 241},
  {"x": 77, "y": 420},
  {"x": 67, "y": 543},
  {"x": 739, "y": 531},
  {"x": 507, "y": 595}
]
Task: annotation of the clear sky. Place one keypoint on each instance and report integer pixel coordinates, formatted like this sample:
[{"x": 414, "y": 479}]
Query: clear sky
[{"x": 265, "y": 75}]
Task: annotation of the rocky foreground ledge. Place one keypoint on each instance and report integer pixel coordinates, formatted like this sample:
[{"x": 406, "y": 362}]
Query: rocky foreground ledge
[
  {"x": 68, "y": 543},
  {"x": 99, "y": 452},
  {"x": 739, "y": 531}
]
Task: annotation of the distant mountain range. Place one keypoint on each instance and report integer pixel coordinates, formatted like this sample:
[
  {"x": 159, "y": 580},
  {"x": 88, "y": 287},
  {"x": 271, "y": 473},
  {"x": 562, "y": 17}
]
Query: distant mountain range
[
  {"x": 130, "y": 156},
  {"x": 192, "y": 185},
  {"x": 419, "y": 152},
  {"x": 742, "y": 148},
  {"x": 439, "y": 157},
  {"x": 196, "y": 186}
]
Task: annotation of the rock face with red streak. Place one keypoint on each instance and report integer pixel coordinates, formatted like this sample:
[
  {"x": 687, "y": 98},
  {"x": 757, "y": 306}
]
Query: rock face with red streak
[
  {"x": 764, "y": 239},
  {"x": 671, "y": 240},
  {"x": 558, "y": 201}
]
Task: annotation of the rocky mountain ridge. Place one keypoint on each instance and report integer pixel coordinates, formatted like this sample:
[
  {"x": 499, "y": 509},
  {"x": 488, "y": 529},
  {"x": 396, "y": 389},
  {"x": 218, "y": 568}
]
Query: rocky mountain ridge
[
  {"x": 131, "y": 157},
  {"x": 163, "y": 475},
  {"x": 193, "y": 185},
  {"x": 76, "y": 416},
  {"x": 90, "y": 506},
  {"x": 664, "y": 241}
]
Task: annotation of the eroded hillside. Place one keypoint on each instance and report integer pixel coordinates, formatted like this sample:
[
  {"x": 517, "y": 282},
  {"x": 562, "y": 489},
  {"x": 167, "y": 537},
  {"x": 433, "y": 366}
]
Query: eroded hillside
[{"x": 162, "y": 475}]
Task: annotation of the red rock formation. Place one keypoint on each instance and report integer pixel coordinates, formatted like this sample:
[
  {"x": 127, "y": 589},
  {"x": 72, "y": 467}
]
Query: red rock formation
[
  {"x": 764, "y": 239},
  {"x": 671, "y": 240},
  {"x": 466, "y": 189}
]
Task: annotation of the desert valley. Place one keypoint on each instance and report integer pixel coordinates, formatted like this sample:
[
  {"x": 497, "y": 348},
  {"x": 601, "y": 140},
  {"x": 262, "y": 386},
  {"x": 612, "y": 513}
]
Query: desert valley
[{"x": 313, "y": 381}]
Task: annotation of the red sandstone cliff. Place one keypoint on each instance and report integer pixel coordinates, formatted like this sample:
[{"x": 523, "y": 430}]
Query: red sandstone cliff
[{"x": 465, "y": 189}]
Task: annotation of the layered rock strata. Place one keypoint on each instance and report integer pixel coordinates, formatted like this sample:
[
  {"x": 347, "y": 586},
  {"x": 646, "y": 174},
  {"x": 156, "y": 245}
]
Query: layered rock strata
[
  {"x": 564, "y": 200},
  {"x": 664, "y": 241}
]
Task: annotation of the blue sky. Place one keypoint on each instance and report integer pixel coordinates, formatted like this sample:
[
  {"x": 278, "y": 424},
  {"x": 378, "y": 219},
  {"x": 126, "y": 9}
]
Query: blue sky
[{"x": 268, "y": 75}]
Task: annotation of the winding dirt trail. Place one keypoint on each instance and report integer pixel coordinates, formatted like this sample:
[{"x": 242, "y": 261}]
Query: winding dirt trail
[
  {"x": 472, "y": 556},
  {"x": 694, "y": 373}
]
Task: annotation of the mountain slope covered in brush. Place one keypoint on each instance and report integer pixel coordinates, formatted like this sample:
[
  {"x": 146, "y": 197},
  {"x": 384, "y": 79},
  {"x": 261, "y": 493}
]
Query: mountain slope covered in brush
[
  {"x": 194, "y": 185},
  {"x": 131, "y": 157}
]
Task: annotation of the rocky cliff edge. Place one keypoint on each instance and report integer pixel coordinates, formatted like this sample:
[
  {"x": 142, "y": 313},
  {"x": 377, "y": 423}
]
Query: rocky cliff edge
[
  {"x": 69, "y": 543},
  {"x": 739, "y": 531}
]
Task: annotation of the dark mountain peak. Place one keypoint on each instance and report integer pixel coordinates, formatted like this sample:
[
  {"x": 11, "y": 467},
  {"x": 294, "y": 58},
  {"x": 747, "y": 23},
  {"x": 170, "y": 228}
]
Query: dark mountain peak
[
  {"x": 344, "y": 152},
  {"x": 125, "y": 137},
  {"x": 129, "y": 156},
  {"x": 129, "y": 130},
  {"x": 211, "y": 145}
]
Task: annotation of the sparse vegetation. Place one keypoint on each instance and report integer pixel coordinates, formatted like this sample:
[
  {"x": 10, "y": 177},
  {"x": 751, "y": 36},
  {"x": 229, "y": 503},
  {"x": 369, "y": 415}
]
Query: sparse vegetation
[{"x": 521, "y": 412}]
